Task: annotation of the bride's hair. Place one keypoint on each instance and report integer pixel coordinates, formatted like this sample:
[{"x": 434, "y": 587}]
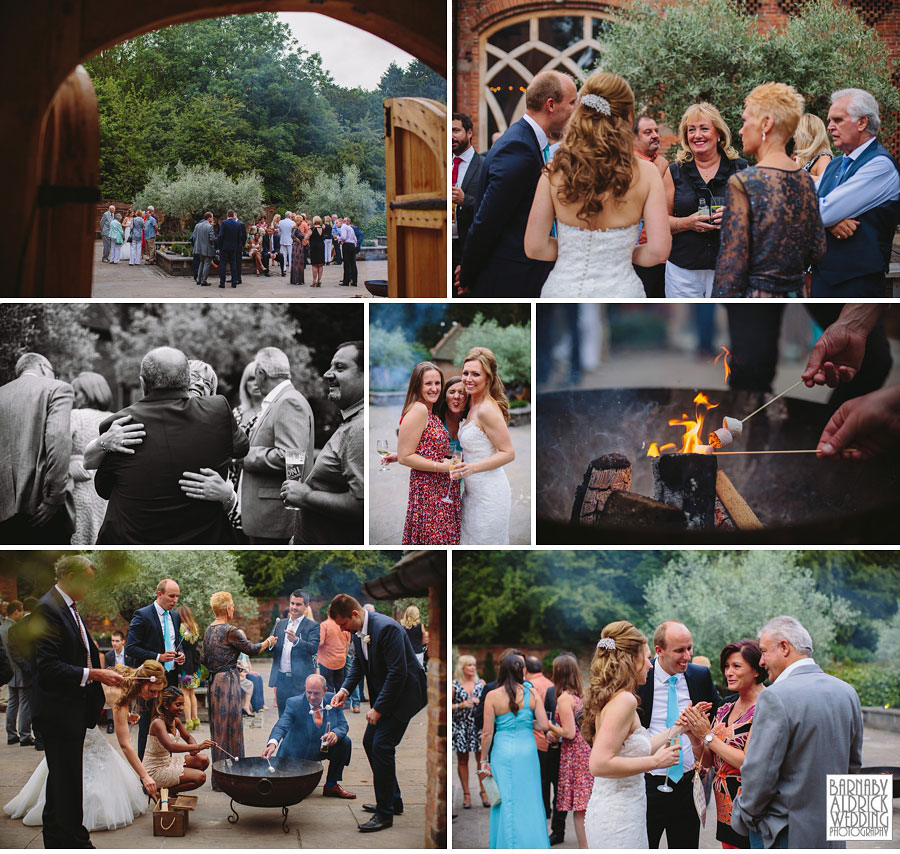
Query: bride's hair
[
  {"x": 612, "y": 670},
  {"x": 495, "y": 388},
  {"x": 161, "y": 709},
  {"x": 135, "y": 679},
  {"x": 596, "y": 157},
  {"x": 414, "y": 391}
]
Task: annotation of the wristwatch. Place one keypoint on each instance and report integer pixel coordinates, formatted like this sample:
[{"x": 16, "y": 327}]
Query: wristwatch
[{"x": 707, "y": 739}]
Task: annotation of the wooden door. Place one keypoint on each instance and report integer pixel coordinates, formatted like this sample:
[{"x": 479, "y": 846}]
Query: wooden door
[{"x": 415, "y": 131}]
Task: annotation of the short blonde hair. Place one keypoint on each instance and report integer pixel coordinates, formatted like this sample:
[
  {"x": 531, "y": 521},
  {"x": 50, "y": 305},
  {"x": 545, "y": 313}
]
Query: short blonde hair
[
  {"x": 461, "y": 662},
  {"x": 411, "y": 617},
  {"x": 317, "y": 220},
  {"x": 811, "y": 138},
  {"x": 781, "y": 102},
  {"x": 714, "y": 117},
  {"x": 220, "y": 602}
]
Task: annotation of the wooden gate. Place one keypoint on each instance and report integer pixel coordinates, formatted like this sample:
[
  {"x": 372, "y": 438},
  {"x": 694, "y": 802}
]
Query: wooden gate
[{"x": 415, "y": 131}]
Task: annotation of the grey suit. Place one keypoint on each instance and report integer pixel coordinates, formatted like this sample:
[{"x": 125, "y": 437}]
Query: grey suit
[
  {"x": 105, "y": 222},
  {"x": 18, "y": 709},
  {"x": 806, "y": 725},
  {"x": 204, "y": 246}
]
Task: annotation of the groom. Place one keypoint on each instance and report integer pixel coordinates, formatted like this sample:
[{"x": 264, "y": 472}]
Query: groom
[{"x": 397, "y": 691}]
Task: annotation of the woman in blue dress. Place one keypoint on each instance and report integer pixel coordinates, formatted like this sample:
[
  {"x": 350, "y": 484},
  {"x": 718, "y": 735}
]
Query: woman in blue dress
[{"x": 512, "y": 712}]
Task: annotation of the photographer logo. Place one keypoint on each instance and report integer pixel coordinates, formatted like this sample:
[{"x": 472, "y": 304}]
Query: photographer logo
[{"x": 859, "y": 807}]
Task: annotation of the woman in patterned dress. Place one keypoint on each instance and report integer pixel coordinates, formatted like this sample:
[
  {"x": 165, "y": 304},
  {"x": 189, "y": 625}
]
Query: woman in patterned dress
[
  {"x": 573, "y": 790},
  {"x": 432, "y": 515},
  {"x": 245, "y": 413},
  {"x": 222, "y": 644},
  {"x": 465, "y": 735},
  {"x": 725, "y": 750},
  {"x": 188, "y": 672}
]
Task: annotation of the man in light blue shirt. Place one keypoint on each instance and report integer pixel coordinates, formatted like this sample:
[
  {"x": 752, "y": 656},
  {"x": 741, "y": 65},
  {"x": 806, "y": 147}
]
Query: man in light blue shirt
[{"x": 150, "y": 226}]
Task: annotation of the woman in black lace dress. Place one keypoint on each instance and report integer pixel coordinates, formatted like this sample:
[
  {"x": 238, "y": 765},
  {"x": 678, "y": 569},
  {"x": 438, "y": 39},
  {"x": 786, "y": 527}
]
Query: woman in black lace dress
[
  {"x": 222, "y": 644},
  {"x": 772, "y": 231}
]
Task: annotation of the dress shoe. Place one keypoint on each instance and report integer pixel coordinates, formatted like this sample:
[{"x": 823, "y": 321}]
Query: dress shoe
[
  {"x": 337, "y": 791},
  {"x": 110, "y": 727},
  {"x": 12, "y": 739},
  {"x": 222, "y": 286},
  {"x": 39, "y": 745},
  {"x": 374, "y": 808},
  {"x": 27, "y": 741},
  {"x": 376, "y": 823},
  {"x": 557, "y": 838},
  {"x": 234, "y": 286},
  {"x": 205, "y": 285},
  {"x": 356, "y": 710}
]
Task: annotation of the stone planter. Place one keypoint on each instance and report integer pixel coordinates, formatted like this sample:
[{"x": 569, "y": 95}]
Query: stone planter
[{"x": 519, "y": 416}]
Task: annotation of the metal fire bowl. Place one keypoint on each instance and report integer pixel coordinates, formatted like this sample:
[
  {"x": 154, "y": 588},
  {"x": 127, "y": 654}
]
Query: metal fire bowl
[
  {"x": 889, "y": 770},
  {"x": 250, "y": 782},
  {"x": 798, "y": 498}
]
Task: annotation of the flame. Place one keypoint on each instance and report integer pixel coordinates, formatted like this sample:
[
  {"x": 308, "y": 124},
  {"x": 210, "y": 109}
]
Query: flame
[
  {"x": 653, "y": 451},
  {"x": 693, "y": 428},
  {"x": 724, "y": 356}
]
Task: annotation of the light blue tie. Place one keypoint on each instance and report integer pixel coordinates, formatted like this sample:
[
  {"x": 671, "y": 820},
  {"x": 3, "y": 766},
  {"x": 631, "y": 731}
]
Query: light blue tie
[
  {"x": 846, "y": 163},
  {"x": 169, "y": 665},
  {"x": 675, "y": 772},
  {"x": 547, "y": 160}
]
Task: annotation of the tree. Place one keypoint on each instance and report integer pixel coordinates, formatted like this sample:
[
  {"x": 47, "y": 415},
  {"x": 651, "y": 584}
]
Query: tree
[
  {"x": 510, "y": 344},
  {"x": 889, "y": 636},
  {"x": 417, "y": 80},
  {"x": 392, "y": 356},
  {"x": 345, "y": 194}
]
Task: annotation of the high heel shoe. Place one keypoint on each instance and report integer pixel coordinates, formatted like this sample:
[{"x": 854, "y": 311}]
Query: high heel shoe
[{"x": 196, "y": 723}]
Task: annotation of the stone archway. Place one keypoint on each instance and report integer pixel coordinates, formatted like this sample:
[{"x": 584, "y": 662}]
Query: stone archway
[{"x": 43, "y": 44}]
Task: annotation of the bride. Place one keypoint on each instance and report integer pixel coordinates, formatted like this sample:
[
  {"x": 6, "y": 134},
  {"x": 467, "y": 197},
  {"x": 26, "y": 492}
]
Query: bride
[
  {"x": 487, "y": 445},
  {"x": 602, "y": 198},
  {"x": 622, "y": 749}
]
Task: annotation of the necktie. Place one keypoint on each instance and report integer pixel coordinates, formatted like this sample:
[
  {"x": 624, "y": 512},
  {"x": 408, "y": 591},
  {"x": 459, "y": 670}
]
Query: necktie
[
  {"x": 456, "y": 162},
  {"x": 846, "y": 163},
  {"x": 318, "y": 716},
  {"x": 675, "y": 772},
  {"x": 83, "y": 632},
  {"x": 546, "y": 154},
  {"x": 169, "y": 665}
]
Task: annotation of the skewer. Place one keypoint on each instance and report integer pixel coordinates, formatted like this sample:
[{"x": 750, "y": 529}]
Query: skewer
[
  {"x": 805, "y": 451},
  {"x": 771, "y": 401},
  {"x": 235, "y": 758}
]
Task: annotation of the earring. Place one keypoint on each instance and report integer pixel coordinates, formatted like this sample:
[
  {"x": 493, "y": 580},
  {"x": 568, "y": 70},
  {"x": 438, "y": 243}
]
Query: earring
[{"x": 764, "y": 136}]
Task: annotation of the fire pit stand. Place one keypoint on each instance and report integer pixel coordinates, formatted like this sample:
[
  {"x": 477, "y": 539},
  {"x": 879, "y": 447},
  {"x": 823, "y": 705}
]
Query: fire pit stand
[{"x": 234, "y": 817}]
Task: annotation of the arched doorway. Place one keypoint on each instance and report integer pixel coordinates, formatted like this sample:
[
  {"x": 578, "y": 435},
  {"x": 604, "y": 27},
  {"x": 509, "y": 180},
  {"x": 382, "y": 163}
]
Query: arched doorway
[{"x": 48, "y": 40}]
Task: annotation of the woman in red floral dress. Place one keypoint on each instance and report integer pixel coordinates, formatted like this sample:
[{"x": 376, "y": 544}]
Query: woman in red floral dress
[
  {"x": 423, "y": 443},
  {"x": 573, "y": 791}
]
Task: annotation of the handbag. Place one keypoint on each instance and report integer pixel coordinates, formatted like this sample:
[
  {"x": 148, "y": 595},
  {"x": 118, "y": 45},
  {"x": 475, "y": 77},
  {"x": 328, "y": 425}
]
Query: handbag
[
  {"x": 699, "y": 795},
  {"x": 492, "y": 790}
]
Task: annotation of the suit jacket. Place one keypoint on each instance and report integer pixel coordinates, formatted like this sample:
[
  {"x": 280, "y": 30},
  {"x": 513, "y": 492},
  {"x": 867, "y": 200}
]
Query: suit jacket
[
  {"x": 59, "y": 700},
  {"x": 146, "y": 504},
  {"x": 204, "y": 239},
  {"x": 494, "y": 263},
  {"x": 105, "y": 222},
  {"x": 396, "y": 680},
  {"x": 806, "y": 725},
  {"x": 287, "y": 423},
  {"x": 700, "y": 687},
  {"x": 6, "y": 666},
  {"x": 471, "y": 185},
  {"x": 110, "y": 659},
  {"x": 20, "y": 645},
  {"x": 145, "y": 638},
  {"x": 232, "y": 235},
  {"x": 35, "y": 445},
  {"x": 10, "y": 669},
  {"x": 302, "y": 738},
  {"x": 301, "y": 655}
]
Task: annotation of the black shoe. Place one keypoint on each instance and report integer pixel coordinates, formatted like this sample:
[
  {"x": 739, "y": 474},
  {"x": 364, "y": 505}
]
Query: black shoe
[
  {"x": 377, "y": 822},
  {"x": 39, "y": 745},
  {"x": 557, "y": 838},
  {"x": 110, "y": 727},
  {"x": 398, "y": 809},
  {"x": 205, "y": 285},
  {"x": 12, "y": 739},
  {"x": 234, "y": 286},
  {"x": 221, "y": 286},
  {"x": 27, "y": 741}
]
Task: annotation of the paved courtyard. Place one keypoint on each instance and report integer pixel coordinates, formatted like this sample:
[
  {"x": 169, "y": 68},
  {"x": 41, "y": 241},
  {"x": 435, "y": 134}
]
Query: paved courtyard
[{"x": 317, "y": 822}]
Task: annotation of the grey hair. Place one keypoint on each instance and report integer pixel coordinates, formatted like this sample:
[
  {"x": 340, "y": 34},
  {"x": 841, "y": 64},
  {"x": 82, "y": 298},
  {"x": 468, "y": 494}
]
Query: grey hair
[
  {"x": 274, "y": 362},
  {"x": 31, "y": 360},
  {"x": 789, "y": 629},
  {"x": 159, "y": 373},
  {"x": 320, "y": 677},
  {"x": 119, "y": 217},
  {"x": 204, "y": 381},
  {"x": 862, "y": 106}
]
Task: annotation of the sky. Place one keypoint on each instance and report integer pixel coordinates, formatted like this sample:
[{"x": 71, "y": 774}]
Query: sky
[{"x": 336, "y": 41}]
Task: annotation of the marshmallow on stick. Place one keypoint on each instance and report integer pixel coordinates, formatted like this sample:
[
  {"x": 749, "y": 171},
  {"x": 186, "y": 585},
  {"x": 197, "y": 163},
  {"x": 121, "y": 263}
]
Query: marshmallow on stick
[{"x": 720, "y": 438}]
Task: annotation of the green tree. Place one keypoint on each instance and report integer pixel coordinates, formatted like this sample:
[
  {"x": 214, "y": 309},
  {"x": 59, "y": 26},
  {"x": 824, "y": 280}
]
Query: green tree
[
  {"x": 510, "y": 344},
  {"x": 345, "y": 194},
  {"x": 392, "y": 356},
  {"x": 417, "y": 80}
]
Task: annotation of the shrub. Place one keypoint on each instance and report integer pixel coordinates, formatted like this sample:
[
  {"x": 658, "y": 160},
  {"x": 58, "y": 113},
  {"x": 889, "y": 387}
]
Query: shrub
[
  {"x": 510, "y": 344},
  {"x": 345, "y": 194},
  {"x": 876, "y": 684}
]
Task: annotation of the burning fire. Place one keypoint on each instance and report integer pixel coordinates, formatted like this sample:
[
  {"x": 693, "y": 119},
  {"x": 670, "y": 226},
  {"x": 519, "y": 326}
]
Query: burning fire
[
  {"x": 693, "y": 428},
  {"x": 724, "y": 356}
]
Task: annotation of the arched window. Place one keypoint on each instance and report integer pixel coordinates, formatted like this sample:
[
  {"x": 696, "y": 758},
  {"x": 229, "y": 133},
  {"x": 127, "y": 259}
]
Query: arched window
[{"x": 515, "y": 50}]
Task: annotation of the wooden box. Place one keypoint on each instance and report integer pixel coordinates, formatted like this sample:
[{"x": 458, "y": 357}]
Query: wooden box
[{"x": 175, "y": 821}]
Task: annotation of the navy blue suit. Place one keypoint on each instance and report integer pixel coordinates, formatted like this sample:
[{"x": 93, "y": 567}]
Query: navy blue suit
[
  {"x": 302, "y": 664},
  {"x": 494, "y": 263},
  {"x": 397, "y": 690},
  {"x": 302, "y": 739},
  {"x": 232, "y": 239}
]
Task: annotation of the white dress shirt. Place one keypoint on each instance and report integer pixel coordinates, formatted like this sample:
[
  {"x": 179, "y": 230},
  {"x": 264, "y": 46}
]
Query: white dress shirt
[
  {"x": 293, "y": 625},
  {"x": 542, "y": 139},
  {"x": 81, "y": 627},
  {"x": 800, "y": 662},
  {"x": 361, "y": 634},
  {"x": 661, "y": 708},
  {"x": 348, "y": 235},
  {"x": 270, "y": 397}
]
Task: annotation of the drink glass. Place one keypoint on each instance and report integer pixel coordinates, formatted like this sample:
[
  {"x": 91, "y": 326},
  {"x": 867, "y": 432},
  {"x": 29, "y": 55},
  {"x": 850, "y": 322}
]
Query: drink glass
[
  {"x": 381, "y": 445},
  {"x": 455, "y": 460},
  {"x": 294, "y": 463},
  {"x": 718, "y": 202},
  {"x": 665, "y": 787}
]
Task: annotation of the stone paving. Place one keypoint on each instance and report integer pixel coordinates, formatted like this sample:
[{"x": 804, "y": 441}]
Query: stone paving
[{"x": 317, "y": 822}]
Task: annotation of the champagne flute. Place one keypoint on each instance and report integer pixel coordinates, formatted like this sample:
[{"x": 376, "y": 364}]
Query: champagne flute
[
  {"x": 455, "y": 460},
  {"x": 665, "y": 787},
  {"x": 381, "y": 445}
]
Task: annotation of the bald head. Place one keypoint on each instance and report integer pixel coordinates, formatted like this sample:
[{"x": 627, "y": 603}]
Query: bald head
[
  {"x": 165, "y": 368},
  {"x": 550, "y": 99}
]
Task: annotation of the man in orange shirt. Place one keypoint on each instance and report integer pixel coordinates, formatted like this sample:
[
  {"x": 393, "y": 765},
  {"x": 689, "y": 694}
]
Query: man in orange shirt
[{"x": 333, "y": 645}]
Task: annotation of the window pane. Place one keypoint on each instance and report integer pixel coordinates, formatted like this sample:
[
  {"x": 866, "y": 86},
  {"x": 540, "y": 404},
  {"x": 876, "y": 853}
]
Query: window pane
[
  {"x": 561, "y": 32},
  {"x": 511, "y": 37}
]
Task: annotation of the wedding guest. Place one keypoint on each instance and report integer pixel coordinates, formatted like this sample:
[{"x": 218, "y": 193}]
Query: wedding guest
[
  {"x": 328, "y": 238},
  {"x": 136, "y": 238},
  {"x": 255, "y": 251},
  {"x": 298, "y": 261},
  {"x": 245, "y": 415},
  {"x": 105, "y": 222},
  {"x": 704, "y": 163},
  {"x": 126, "y": 229},
  {"x": 332, "y": 658},
  {"x": 285, "y": 226},
  {"x": 204, "y": 240},
  {"x": 18, "y": 707},
  {"x": 150, "y": 228},
  {"x": 271, "y": 247},
  {"x": 222, "y": 644},
  {"x": 646, "y": 146},
  {"x": 349, "y": 246},
  {"x": 336, "y": 223},
  {"x": 465, "y": 178},
  {"x": 771, "y": 232},
  {"x": 316, "y": 245},
  {"x": 468, "y": 689},
  {"x": 188, "y": 671},
  {"x": 116, "y": 238},
  {"x": 812, "y": 150},
  {"x": 722, "y": 745},
  {"x": 452, "y": 410},
  {"x": 416, "y": 632},
  {"x": 535, "y": 675},
  {"x": 203, "y": 379},
  {"x": 173, "y": 757},
  {"x": 257, "y": 696},
  {"x": 296, "y": 641}
]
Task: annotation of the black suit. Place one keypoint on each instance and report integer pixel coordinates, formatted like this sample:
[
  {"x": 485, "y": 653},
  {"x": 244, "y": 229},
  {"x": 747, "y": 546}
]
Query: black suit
[
  {"x": 146, "y": 505},
  {"x": 397, "y": 690},
  {"x": 673, "y": 813},
  {"x": 110, "y": 659},
  {"x": 465, "y": 213},
  {"x": 302, "y": 665},
  {"x": 271, "y": 244},
  {"x": 63, "y": 711},
  {"x": 494, "y": 262},
  {"x": 231, "y": 242}
]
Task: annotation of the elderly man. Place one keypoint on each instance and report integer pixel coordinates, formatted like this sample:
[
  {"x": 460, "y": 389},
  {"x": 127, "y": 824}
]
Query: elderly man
[
  {"x": 105, "y": 221},
  {"x": 35, "y": 444},
  {"x": 331, "y": 497},
  {"x": 285, "y": 423},
  {"x": 349, "y": 246},
  {"x": 285, "y": 227},
  {"x": 806, "y": 725},
  {"x": 859, "y": 199},
  {"x": 204, "y": 240},
  {"x": 646, "y": 146},
  {"x": 151, "y": 225},
  {"x": 181, "y": 433},
  {"x": 309, "y": 728},
  {"x": 494, "y": 263}
]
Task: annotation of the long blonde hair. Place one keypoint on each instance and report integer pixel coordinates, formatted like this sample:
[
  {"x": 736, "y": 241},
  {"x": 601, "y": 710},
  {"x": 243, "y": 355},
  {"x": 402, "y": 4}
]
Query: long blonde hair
[
  {"x": 414, "y": 389},
  {"x": 612, "y": 670},
  {"x": 135, "y": 679},
  {"x": 495, "y": 390},
  {"x": 714, "y": 117},
  {"x": 811, "y": 138},
  {"x": 411, "y": 617},
  {"x": 596, "y": 156}
]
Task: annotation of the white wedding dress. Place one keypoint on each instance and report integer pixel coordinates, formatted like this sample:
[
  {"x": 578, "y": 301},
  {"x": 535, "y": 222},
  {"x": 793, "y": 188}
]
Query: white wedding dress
[
  {"x": 616, "y": 814},
  {"x": 594, "y": 264},
  {"x": 112, "y": 791},
  {"x": 484, "y": 519}
]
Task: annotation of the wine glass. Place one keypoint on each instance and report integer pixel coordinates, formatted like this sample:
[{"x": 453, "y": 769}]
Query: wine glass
[
  {"x": 665, "y": 787},
  {"x": 455, "y": 460},
  {"x": 381, "y": 446}
]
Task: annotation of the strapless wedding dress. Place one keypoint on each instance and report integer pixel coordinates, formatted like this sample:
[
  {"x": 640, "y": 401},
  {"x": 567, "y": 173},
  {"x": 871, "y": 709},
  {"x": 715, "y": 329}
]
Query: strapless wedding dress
[
  {"x": 594, "y": 264},
  {"x": 616, "y": 814},
  {"x": 484, "y": 520}
]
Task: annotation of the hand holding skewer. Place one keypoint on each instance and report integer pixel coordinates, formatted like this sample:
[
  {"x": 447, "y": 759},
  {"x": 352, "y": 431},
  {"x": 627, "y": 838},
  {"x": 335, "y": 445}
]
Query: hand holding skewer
[{"x": 870, "y": 422}]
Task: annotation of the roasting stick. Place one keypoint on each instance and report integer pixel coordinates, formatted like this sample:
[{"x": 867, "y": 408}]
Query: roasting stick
[
  {"x": 768, "y": 402},
  {"x": 741, "y": 453}
]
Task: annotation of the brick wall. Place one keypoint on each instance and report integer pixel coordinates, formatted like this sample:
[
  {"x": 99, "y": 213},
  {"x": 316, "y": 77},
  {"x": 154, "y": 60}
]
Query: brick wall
[{"x": 436, "y": 760}]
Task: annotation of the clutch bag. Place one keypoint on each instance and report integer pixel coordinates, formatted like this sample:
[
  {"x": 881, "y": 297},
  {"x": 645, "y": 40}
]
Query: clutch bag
[{"x": 492, "y": 790}]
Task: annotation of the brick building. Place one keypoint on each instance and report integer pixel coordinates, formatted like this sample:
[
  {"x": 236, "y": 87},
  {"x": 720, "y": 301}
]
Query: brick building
[{"x": 499, "y": 45}]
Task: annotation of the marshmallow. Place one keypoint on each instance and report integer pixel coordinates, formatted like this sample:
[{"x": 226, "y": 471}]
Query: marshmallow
[
  {"x": 721, "y": 437},
  {"x": 734, "y": 425},
  {"x": 703, "y": 449}
]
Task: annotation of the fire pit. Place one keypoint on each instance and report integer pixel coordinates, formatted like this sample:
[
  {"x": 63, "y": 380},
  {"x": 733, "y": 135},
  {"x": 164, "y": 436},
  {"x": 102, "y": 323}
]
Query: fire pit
[
  {"x": 797, "y": 498},
  {"x": 249, "y": 782}
]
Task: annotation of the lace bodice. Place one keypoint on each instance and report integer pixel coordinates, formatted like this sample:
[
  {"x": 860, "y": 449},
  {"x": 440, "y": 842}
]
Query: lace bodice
[
  {"x": 486, "y": 501},
  {"x": 594, "y": 264}
]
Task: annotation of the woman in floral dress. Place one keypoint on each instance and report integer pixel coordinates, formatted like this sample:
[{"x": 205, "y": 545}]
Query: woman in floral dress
[
  {"x": 465, "y": 735},
  {"x": 573, "y": 791},
  {"x": 423, "y": 443}
]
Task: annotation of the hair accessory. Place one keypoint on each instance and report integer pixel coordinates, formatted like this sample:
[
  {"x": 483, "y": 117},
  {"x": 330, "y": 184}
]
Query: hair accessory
[
  {"x": 596, "y": 102},
  {"x": 606, "y": 643}
]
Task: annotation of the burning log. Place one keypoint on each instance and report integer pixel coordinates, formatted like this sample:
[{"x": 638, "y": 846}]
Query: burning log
[
  {"x": 629, "y": 510},
  {"x": 737, "y": 510},
  {"x": 604, "y": 476},
  {"x": 688, "y": 481}
]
